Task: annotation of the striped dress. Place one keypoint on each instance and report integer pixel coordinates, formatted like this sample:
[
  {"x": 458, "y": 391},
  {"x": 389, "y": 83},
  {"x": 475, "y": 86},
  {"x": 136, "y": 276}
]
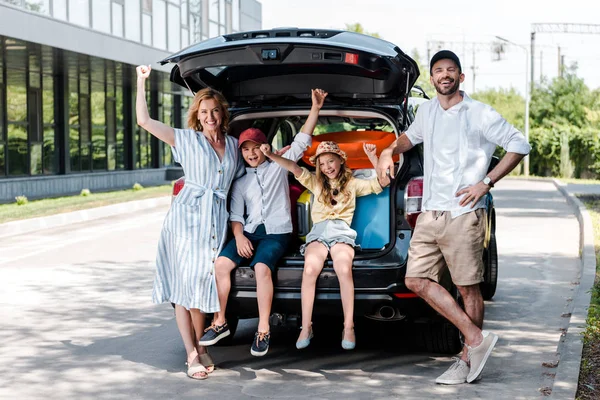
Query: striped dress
[{"x": 195, "y": 227}]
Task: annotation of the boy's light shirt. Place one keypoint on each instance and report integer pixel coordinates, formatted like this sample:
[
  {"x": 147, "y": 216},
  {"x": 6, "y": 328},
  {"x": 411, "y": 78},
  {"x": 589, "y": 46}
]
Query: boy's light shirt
[
  {"x": 344, "y": 209},
  {"x": 477, "y": 128},
  {"x": 265, "y": 193}
]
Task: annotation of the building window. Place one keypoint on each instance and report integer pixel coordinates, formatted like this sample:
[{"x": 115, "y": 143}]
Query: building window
[
  {"x": 147, "y": 29},
  {"x": 59, "y": 9},
  {"x": 17, "y": 152},
  {"x": 117, "y": 19},
  {"x": 98, "y": 115},
  {"x": 174, "y": 27},
  {"x": 159, "y": 21},
  {"x": 235, "y": 15},
  {"x": 132, "y": 20},
  {"x": 79, "y": 12},
  {"x": 101, "y": 15}
]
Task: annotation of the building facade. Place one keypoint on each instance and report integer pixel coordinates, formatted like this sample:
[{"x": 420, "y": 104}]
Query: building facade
[{"x": 67, "y": 88}]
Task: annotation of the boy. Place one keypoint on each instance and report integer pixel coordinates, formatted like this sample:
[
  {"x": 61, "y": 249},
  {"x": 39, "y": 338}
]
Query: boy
[{"x": 263, "y": 236}]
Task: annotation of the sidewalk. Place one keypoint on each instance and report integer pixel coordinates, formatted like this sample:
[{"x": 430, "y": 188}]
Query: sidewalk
[{"x": 20, "y": 227}]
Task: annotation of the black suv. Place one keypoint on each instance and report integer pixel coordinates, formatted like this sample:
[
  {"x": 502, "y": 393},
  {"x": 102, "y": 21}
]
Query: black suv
[{"x": 267, "y": 77}]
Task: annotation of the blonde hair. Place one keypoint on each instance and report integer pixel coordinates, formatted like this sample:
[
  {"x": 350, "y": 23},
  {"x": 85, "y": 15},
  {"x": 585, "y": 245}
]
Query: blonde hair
[
  {"x": 206, "y": 94},
  {"x": 342, "y": 179}
]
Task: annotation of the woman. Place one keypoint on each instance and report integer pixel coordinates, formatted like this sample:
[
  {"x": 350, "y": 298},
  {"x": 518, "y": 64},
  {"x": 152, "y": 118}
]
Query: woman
[{"x": 196, "y": 225}]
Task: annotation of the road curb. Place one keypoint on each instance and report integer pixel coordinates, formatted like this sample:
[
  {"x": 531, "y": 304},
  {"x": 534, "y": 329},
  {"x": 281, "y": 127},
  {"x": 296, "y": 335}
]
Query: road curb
[
  {"x": 567, "y": 373},
  {"x": 52, "y": 221}
]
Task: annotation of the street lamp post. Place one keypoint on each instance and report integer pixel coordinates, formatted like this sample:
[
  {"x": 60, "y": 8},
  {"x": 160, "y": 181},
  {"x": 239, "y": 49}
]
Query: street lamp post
[{"x": 526, "y": 160}]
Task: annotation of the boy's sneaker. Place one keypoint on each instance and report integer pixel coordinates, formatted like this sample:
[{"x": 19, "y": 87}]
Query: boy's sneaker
[
  {"x": 456, "y": 374},
  {"x": 260, "y": 345},
  {"x": 479, "y": 355},
  {"x": 213, "y": 334}
]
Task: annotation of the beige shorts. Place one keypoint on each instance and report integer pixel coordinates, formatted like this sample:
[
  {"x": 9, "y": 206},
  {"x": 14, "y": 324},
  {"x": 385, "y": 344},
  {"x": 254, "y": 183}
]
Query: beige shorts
[{"x": 440, "y": 241}]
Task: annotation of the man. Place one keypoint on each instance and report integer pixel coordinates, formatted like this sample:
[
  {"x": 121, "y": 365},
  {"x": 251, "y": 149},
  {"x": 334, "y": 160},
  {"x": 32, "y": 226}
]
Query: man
[{"x": 459, "y": 136}]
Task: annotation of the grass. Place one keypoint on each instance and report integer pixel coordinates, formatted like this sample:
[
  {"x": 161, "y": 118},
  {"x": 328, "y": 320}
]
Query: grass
[
  {"x": 589, "y": 375},
  {"x": 41, "y": 208}
]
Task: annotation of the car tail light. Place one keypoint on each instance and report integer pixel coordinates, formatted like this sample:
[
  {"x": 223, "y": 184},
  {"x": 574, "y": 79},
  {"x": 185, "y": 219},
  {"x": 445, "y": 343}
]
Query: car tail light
[
  {"x": 351, "y": 58},
  {"x": 413, "y": 197},
  {"x": 405, "y": 295},
  {"x": 178, "y": 186}
]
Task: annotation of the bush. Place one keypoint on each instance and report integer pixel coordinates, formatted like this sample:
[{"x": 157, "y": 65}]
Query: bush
[
  {"x": 85, "y": 192},
  {"x": 137, "y": 186},
  {"x": 21, "y": 200}
]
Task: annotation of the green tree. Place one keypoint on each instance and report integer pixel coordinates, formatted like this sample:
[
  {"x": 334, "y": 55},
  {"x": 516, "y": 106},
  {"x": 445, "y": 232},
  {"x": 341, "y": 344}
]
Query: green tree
[
  {"x": 566, "y": 100},
  {"x": 358, "y": 28}
]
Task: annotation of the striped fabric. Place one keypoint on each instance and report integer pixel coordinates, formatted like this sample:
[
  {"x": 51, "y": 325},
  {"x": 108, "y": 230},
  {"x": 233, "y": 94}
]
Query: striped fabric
[{"x": 195, "y": 227}]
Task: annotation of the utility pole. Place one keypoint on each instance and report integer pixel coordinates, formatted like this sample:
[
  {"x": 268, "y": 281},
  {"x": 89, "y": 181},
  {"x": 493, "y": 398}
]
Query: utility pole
[
  {"x": 473, "y": 69},
  {"x": 559, "y": 63},
  {"x": 541, "y": 64}
]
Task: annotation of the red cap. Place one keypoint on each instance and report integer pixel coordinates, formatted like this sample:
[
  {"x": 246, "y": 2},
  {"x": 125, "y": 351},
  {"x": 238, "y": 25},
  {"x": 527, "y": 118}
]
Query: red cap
[{"x": 253, "y": 134}]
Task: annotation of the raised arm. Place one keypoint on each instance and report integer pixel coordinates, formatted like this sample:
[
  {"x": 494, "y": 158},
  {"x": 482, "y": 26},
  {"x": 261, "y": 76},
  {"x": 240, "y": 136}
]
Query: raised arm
[
  {"x": 283, "y": 162},
  {"x": 371, "y": 152},
  {"x": 318, "y": 98},
  {"x": 156, "y": 128}
]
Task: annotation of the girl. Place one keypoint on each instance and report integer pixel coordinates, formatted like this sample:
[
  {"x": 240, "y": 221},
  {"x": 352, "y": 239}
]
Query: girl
[{"x": 335, "y": 191}]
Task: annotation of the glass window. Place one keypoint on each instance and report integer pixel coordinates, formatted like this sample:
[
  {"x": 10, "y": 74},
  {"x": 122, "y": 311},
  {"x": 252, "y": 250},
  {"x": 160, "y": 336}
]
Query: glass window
[
  {"x": 235, "y": 15},
  {"x": 147, "y": 29},
  {"x": 35, "y": 159},
  {"x": 120, "y": 150},
  {"x": 117, "y": 19},
  {"x": 159, "y": 29},
  {"x": 59, "y": 9},
  {"x": 213, "y": 29},
  {"x": 222, "y": 11},
  {"x": 98, "y": 148},
  {"x": 132, "y": 20},
  {"x": 101, "y": 15},
  {"x": 174, "y": 27},
  {"x": 84, "y": 118},
  {"x": 111, "y": 133},
  {"x": 1, "y": 111},
  {"x": 48, "y": 100},
  {"x": 79, "y": 12},
  {"x": 16, "y": 96},
  {"x": 86, "y": 165},
  {"x": 50, "y": 153},
  {"x": 147, "y": 6},
  {"x": 17, "y": 149},
  {"x": 74, "y": 152},
  {"x": 34, "y": 66},
  {"x": 41, "y": 6},
  {"x": 213, "y": 10},
  {"x": 185, "y": 38},
  {"x": 34, "y": 111},
  {"x": 196, "y": 21},
  {"x": 184, "y": 12}
]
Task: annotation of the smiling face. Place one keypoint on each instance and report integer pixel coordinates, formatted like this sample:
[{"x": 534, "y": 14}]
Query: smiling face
[
  {"x": 330, "y": 165},
  {"x": 446, "y": 77},
  {"x": 252, "y": 154},
  {"x": 210, "y": 115}
]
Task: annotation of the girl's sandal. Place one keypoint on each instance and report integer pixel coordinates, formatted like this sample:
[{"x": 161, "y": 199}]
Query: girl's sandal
[
  {"x": 195, "y": 369},
  {"x": 207, "y": 361}
]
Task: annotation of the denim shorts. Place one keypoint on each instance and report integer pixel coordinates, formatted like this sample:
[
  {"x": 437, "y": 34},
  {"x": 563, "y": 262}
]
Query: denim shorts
[
  {"x": 329, "y": 233},
  {"x": 268, "y": 249}
]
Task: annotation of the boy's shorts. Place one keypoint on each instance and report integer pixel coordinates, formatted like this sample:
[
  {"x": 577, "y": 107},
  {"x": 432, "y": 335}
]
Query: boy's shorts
[
  {"x": 268, "y": 249},
  {"x": 329, "y": 233},
  {"x": 440, "y": 241}
]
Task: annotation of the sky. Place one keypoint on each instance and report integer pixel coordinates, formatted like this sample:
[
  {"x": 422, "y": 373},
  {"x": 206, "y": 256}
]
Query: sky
[{"x": 468, "y": 27}]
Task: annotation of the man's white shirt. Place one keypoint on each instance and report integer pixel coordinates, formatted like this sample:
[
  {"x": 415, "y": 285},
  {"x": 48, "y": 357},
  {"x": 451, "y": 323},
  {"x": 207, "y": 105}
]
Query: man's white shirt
[
  {"x": 265, "y": 193},
  {"x": 458, "y": 144}
]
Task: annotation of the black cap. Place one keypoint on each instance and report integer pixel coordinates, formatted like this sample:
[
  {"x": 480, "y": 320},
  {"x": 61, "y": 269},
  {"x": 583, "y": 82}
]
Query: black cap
[{"x": 442, "y": 55}]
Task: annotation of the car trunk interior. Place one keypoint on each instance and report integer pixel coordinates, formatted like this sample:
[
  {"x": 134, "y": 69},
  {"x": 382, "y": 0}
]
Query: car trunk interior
[{"x": 350, "y": 129}]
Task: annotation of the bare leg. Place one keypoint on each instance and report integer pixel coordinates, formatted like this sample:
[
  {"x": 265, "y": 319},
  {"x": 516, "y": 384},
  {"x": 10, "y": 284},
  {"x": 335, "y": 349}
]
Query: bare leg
[
  {"x": 314, "y": 259},
  {"x": 439, "y": 298},
  {"x": 264, "y": 295},
  {"x": 223, "y": 268},
  {"x": 186, "y": 330},
  {"x": 474, "y": 308},
  {"x": 342, "y": 255}
]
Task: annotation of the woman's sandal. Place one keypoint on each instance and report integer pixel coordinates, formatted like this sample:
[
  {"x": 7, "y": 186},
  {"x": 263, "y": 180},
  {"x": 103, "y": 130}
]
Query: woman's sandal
[
  {"x": 195, "y": 369},
  {"x": 207, "y": 361}
]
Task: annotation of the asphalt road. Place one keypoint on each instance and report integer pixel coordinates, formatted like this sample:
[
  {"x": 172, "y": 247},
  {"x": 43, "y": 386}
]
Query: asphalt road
[{"x": 77, "y": 320}]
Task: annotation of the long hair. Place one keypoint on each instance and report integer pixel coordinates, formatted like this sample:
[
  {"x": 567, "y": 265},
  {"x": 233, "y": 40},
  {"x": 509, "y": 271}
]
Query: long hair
[
  {"x": 205, "y": 94},
  {"x": 342, "y": 179}
]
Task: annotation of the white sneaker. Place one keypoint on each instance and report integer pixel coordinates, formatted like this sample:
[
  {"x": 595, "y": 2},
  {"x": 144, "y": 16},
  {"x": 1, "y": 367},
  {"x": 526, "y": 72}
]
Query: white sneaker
[
  {"x": 479, "y": 355},
  {"x": 456, "y": 374}
]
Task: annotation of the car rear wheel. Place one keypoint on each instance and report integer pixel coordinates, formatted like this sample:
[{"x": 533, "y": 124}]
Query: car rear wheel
[
  {"x": 440, "y": 337},
  {"x": 490, "y": 275}
]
